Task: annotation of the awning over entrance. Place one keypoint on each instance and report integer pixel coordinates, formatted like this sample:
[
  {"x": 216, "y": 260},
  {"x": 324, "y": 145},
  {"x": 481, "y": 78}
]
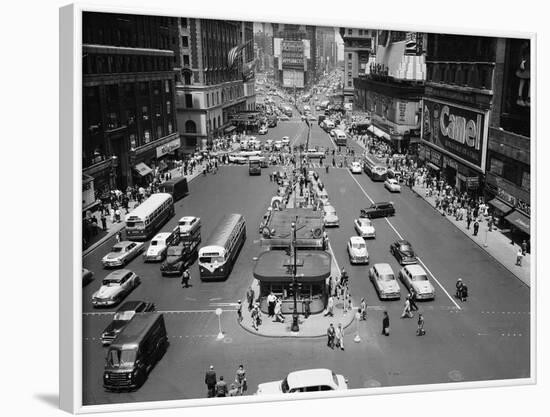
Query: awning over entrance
[
  {"x": 521, "y": 221},
  {"x": 142, "y": 169},
  {"x": 275, "y": 266},
  {"x": 433, "y": 166},
  {"x": 229, "y": 129},
  {"x": 371, "y": 129},
  {"x": 500, "y": 205}
]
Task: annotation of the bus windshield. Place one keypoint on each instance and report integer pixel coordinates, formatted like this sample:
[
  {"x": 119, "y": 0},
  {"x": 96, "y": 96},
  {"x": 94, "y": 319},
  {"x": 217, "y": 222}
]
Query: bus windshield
[
  {"x": 209, "y": 259},
  {"x": 120, "y": 358},
  {"x": 135, "y": 225}
]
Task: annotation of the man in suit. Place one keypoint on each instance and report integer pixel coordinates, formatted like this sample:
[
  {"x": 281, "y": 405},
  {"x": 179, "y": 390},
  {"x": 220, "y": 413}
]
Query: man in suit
[{"x": 210, "y": 381}]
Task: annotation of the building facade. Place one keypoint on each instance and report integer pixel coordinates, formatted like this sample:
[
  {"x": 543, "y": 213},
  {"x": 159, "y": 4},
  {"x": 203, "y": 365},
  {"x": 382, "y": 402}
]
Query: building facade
[
  {"x": 358, "y": 47},
  {"x": 295, "y": 55},
  {"x": 210, "y": 88},
  {"x": 326, "y": 50},
  {"x": 390, "y": 89},
  {"x": 264, "y": 46},
  {"x": 128, "y": 118}
]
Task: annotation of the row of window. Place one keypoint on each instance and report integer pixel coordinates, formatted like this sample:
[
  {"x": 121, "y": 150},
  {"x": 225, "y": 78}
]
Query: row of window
[
  {"x": 119, "y": 64},
  {"x": 514, "y": 171},
  {"x": 167, "y": 205},
  {"x": 462, "y": 74}
]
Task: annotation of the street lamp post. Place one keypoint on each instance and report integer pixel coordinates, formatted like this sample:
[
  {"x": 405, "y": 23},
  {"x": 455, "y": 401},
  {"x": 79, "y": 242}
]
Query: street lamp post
[
  {"x": 295, "y": 327},
  {"x": 219, "y": 314}
]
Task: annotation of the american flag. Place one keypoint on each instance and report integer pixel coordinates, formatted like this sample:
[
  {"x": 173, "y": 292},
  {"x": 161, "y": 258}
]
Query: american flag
[{"x": 234, "y": 53}]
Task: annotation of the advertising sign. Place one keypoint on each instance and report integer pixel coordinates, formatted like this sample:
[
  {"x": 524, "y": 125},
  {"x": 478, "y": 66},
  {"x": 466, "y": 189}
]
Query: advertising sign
[
  {"x": 168, "y": 147},
  {"x": 277, "y": 46},
  {"x": 293, "y": 79},
  {"x": 457, "y": 131}
]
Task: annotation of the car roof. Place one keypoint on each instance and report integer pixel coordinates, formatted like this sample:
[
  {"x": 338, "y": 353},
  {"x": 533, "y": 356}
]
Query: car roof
[
  {"x": 403, "y": 242},
  {"x": 363, "y": 220},
  {"x": 187, "y": 218},
  {"x": 118, "y": 274},
  {"x": 162, "y": 236},
  {"x": 309, "y": 377},
  {"x": 415, "y": 269},
  {"x": 382, "y": 202},
  {"x": 122, "y": 244},
  {"x": 383, "y": 268},
  {"x": 356, "y": 239}
]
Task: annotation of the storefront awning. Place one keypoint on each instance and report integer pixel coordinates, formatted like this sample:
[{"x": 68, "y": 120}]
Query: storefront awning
[
  {"x": 501, "y": 205},
  {"x": 229, "y": 129},
  {"x": 521, "y": 221},
  {"x": 274, "y": 266},
  {"x": 371, "y": 129},
  {"x": 433, "y": 166},
  {"x": 381, "y": 134},
  {"x": 142, "y": 169}
]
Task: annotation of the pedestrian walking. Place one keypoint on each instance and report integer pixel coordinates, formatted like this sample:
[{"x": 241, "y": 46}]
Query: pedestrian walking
[
  {"x": 250, "y": 298},
  {"x": 279, "y": 317},
  {"x": 524, "y": 247},
  {"x": 412, "y": 300},
  {"x": 330, "y": 307},
  {"x": 420, "y": 330},
  {"x": 221, "y": 387},
  {"x": 119, "y": 237},
  {"x": 239, "y": 311},
  {"x": 185, "y": 278},
  {"x": 210, "y": 381},
  {"x": 103, "y": 222},
  {"x": 519, "y": 257},
  {"x": 468, "y": 221},
  {"x": 271, "y": 299},
  {"x": 476, "y": 227},
  {"x": 407, "y": 310},
  {"x": 363, "y": 309},
  {"x": 339, "y": 336},
  {"x": 386, "y": 324},
  {"x": 240, "y": 380}
]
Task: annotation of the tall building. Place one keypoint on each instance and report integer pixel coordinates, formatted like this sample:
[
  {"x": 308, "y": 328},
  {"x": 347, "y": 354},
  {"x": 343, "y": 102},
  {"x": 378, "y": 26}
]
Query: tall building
[
  {"x": 128, "y": 116},
  {"x": 264, "y": 43},
  {"x": 476, "y": 120},
  {"x": 295, "y": 60},
  {"x": 358, "y": 46},
  {"x": 326, "y": 49},
  {"x": 212, "y": 83},
  {"x": 389, "y": 87}
]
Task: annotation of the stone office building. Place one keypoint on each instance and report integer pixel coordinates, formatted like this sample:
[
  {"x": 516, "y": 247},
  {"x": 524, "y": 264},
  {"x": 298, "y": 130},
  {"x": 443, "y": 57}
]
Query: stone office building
[{"x": 128, "y": 116}]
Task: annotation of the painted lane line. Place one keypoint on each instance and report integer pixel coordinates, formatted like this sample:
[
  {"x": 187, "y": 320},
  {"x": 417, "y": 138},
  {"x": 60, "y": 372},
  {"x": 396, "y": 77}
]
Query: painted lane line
[{"x": 401, "y": 237}]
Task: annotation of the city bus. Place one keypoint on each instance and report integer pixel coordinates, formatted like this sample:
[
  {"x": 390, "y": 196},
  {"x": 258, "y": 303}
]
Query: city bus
[
  {"x": 219, "y": 254},
  {"x": 147, "y": 218},
  {"x": 340, "y": 138},
  {"x": 376, "y": 172},
  {"x": 254, "y": 165}
]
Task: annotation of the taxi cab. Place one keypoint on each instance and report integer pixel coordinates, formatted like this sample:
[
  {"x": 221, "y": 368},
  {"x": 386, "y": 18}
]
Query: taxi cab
[{"x": 308, "y": 380}]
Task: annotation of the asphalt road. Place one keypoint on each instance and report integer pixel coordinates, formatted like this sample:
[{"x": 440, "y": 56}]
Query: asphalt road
[{"x": 486, "y": 338}]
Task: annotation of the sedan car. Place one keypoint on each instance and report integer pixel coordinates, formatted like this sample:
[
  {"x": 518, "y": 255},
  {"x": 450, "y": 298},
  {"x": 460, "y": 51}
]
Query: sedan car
[
  {"x": 332, "y": 133},
  {"x": 378, "y": 210},
  {"x": 237, "y": 159},
  {"x": 330, "y": 218},
  {"x": 262, "y": 130},
  {"x": 364, "y": 228},
  {"x": 385, "y": 284},
  {"x": 189, "y": 226},
  {"x": 414, "y": 276},
  {"x": 122, "y": 317},
  {"x": 357, "y": 250},
  {"x": 392, "y": 185},
  {"x": 115, "y": 287},
  {"x": 122, "y": 253},
  {"x": 284, "y": 117},
  {"x": 309, "y": 380},
  {"x": 356, "y": 167},
  {"x": 403, "y": 252}
]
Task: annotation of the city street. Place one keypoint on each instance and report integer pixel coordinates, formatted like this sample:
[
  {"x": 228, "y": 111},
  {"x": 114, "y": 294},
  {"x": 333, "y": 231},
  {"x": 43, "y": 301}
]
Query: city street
[{"x": 485, "y": 338}]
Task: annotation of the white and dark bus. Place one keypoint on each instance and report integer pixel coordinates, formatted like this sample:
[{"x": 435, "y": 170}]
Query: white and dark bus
[
  {"x": 147, "y": 218},
  {"x": 376, "y": 172},
  {"x": 219, "y": 254}
]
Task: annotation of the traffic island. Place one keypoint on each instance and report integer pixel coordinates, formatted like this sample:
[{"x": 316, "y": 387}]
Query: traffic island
[{"x": 315, "y": 325}]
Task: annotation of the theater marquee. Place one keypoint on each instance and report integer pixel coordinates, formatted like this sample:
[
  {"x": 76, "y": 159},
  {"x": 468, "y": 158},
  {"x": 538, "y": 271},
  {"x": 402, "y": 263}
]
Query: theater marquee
[{"x": 458, "y": 131}]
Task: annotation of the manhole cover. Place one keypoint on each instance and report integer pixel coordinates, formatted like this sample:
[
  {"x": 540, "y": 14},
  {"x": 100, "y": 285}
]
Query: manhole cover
[
  {"x": 455, "y": 376},
  {"x": 371, "y": 383}
]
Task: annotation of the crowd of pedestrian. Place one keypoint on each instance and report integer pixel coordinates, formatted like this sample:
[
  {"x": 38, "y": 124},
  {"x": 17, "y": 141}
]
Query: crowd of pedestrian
[{"x": 219, "y": 388}]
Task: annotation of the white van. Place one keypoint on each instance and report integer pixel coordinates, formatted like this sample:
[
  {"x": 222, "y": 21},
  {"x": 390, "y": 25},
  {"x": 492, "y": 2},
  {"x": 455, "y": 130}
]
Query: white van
[
  {"x": 329, "y": 124},
  {"x": 157, "y": 248},
  {"x": 339, "y": 134}
]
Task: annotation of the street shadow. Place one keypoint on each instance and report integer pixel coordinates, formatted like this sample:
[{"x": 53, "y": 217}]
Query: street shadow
[{"x": 50, "y": 399}]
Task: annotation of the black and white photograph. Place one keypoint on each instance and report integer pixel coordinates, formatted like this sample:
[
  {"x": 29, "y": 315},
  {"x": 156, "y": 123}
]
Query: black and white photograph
[{"x": 277, "y": 209}]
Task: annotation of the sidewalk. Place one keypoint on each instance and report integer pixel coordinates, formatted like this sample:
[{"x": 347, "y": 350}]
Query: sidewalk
[
  {"x": 114, "y": 227},
  {"x": 495, "y": 243}
]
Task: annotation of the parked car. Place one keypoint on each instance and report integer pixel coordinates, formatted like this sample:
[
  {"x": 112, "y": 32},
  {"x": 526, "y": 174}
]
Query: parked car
[
  {"x": 357, "y": 250},
  {"x": 364, "y": 228},
  {"x": 122, "y": 253},
  {"x": 414, "y": 276},
  {"x": 385, "y": 284},
  {"x": 392, "y": 185},
  {"x": 122, "y": 317},
  {"x": 87, "y": 276},
  {"x": 309, "y": 380},
  {"x": 114, "y": 287},
  {"x": 356, "y": 167},
  {"x": 262, "y": 130},
  {"x": 330, "y": 218},
  {"x": 378, "y": 210},
  {"x": 403, "y": 252}
]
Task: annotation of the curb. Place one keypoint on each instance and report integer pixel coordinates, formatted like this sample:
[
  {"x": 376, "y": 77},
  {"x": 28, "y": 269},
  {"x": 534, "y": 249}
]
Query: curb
[
  {"x": 109, "y": 235},
  {"x": 477, "y": 243}
]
